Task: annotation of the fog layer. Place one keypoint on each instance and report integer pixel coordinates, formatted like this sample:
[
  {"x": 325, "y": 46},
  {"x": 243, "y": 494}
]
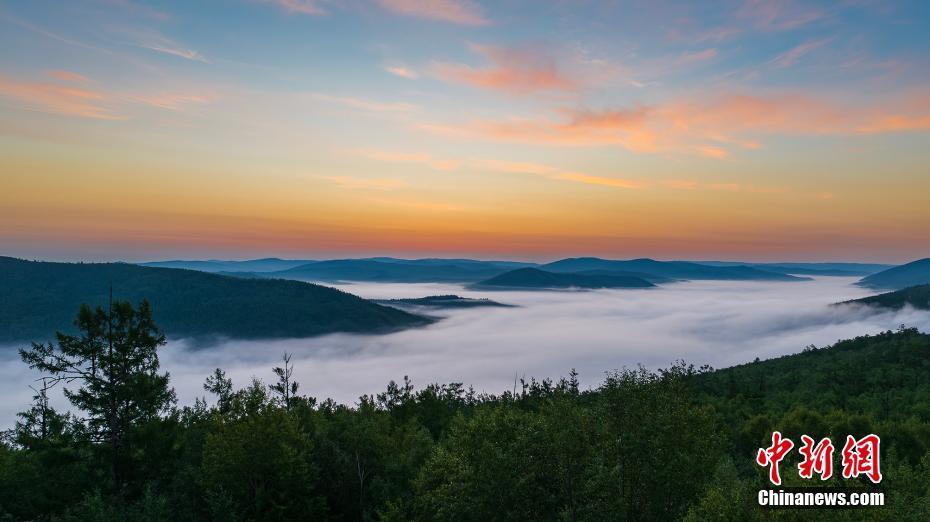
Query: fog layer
[{"x": 716, "y": 323}]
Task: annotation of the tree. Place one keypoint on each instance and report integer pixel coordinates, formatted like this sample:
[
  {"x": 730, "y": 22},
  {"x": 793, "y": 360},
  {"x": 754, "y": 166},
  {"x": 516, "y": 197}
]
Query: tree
[
  {"x": 285, "y": 387},
  {"x": 114, "y": 362}
]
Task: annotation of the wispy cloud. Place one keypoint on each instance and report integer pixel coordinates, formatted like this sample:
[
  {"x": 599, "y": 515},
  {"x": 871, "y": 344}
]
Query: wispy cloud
[
  {"x": 778, "y": 15},
  {"x": 56, "y": 99},
  {"x": 409, "y": 157},
  {"x": 518, "y": 70},
  {"x": 363, "y": 104},
  {"x": 68, "y": 76},
  {"x": 790, "y": 57},
  {"x": 556, "y": 173},
  {"x": 169, "y": 47},
  {"x": 307, "y": 7},
  {"x": 403, "y": 72},
  {"x": 172, "y": 102},
  {"x": 462, "y": 12},
  {"x": 708, "y": 127},
  {"x": 365, "y": 183},
  {"x": 689, "y": 58}
]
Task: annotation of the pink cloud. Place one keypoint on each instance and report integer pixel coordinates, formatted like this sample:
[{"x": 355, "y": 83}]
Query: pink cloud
[
  {"x": 68, "y": 76},
  {"x": 407, "y": 157},
  {"x": 401, "y": 71},
  {"x": 462, "y": 12},
  {"x": 56, "y": 99},
  {"x": 706, "y": 127},
  {"x": 171, "y": 102},
  {"x": 516, "y": 70}
]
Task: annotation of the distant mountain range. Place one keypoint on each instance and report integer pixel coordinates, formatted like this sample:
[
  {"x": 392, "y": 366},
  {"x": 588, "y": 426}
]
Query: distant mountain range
[
  {"x": 669, "y": 269},
  {"x": 816, "y": 269},
  {"x": 534, "y": 278},
  {"x": 911, "y": 274},
  {"x": 916, "y": 296},
  {"x": 437, "y": 270},
  {"x": 38, "y": 298}
]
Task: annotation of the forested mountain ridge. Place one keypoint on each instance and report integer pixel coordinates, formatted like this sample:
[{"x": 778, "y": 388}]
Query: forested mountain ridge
[
  {"x": 533, "y": 278},
  {"x": 911, "y": 274},
  {"x": 38, "y": 297},
  {"x": 671, "y": 269},
  {"x": 916, "y": 296}
]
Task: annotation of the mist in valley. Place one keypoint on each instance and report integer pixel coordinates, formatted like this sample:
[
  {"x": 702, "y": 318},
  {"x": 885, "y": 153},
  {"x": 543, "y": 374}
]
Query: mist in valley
[{"x": 546, "y": 334}]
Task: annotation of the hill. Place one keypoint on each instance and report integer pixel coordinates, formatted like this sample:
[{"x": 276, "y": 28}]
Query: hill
[
  {"x": 916, "y": 296},
  {"x": 394, "y": 271},
  {"x": 533, "y": 278},
  {"x": 670, "y": 269},
  {"x": 817, "y": 269},
  {"x": 269, "y": 264},
  {"x": 442, "y": 301},
  {"x": 39, "y": 297},
  {"x": 912, "y": 274}
]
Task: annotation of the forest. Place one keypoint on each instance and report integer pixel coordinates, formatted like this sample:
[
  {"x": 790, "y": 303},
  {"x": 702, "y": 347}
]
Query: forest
[{"x": 671, "y": 444}]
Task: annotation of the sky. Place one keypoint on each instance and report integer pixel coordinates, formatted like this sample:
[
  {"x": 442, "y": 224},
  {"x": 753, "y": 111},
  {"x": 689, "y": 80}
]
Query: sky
[{"x": 746, "y": 129}]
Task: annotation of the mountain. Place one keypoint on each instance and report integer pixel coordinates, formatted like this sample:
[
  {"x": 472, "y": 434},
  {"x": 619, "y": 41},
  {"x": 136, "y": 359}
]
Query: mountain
[
  {"x": 817, "y": 269},
  {"x": 39, "y": 298},
  {"x": 396, "y": 271},
  {"x": 912, "y": 274},
  {"x": 533, "y": 278},
  {"x": 669, "y": 269},
  {"x": 458, "y": 262},
  {"x": 442, "y": 301},
  {"x": 269, "y": 264},
  {"x": 916, "y": 296}
]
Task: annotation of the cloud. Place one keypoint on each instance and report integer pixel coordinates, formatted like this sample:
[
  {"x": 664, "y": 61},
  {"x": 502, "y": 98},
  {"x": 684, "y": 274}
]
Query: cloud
[
  {"x": 365, "y": 105},
  {"x": 778, "y": 15},
  {"x": 308, "y": 7},
  {"x": 556, "y": 173},
  {"x": 702, "y": 322},
  {"x": 689, "y": 58},
  {"x": 403, "y": 72},
  {"x": 462, "y": 12},
  {"x": 365, "y": 184},
  {"x": 172, "y": 102},
  {"x": 791, "y": 56},
  {"x": 709, "y": 127},
  {"x": 518, "y": 70},
  {"x": 408, "y": 157},
  {"x": 57, "y": 99},
  {"x": 68, "y": 76}
]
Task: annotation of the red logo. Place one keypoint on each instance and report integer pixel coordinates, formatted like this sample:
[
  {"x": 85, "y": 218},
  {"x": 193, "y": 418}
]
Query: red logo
[
  {"x": 859, "y": 457},
  {"x": 773, "y": 455}
]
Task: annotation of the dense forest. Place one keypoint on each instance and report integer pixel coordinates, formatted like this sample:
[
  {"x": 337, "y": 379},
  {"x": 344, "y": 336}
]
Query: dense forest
[
  {"x": 915, "y": 296},
  {"x": 674, "y": 444},
  {"x": 39, "y": 297}
]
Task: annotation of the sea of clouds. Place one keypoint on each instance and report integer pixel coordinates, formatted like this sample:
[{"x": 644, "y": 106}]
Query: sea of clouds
[{"x": 720, "y": 323}]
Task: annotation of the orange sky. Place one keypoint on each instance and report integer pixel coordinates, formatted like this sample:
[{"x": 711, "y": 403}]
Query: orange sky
[{"x": 766, "y": 131}]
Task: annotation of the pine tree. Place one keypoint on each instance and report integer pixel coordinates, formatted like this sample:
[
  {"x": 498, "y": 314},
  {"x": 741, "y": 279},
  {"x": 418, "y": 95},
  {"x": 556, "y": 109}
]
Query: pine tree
[{"x": 114, "y": 363}]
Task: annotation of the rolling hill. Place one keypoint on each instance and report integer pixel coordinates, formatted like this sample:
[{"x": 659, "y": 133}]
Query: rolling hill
[
  {"x": 40, "y": 298},
  {"x": 533, "y": 278},
  {"x": 269, "y": 264},
  {"x": 669, "y": 269},
  {"x": 393, "y": 271},
  {"x": 442, "y": 301},
  {"x": 916, "y": 296},
  {"x": 912, "y": 274},
  {"x": 816, "y": 269}
]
